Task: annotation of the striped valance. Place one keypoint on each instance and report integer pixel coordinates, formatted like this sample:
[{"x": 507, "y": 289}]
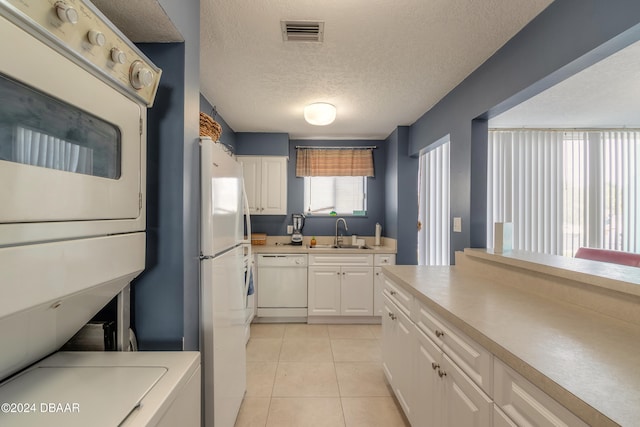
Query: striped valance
[{"x": 334, "y": 162}]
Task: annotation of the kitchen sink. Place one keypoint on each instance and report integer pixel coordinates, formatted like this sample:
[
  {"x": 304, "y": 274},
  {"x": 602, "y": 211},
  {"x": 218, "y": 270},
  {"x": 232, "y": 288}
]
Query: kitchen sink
[{"x": 340, "y": 247}]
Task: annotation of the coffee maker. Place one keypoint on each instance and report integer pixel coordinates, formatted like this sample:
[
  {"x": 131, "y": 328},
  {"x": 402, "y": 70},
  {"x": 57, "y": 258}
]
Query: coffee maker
[{"x": 298, "y": 225}]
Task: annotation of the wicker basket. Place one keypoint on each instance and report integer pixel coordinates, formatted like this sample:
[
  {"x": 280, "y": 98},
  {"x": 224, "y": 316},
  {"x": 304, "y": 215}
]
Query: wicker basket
[
  {"x": 209, "y": 127},
  {"x": 258, "y": 238}
]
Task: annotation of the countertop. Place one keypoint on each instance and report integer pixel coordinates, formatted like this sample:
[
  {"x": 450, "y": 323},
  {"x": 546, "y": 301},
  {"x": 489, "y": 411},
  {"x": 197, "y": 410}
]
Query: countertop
[
  {"x": 280, "y": 245},
  {"x": 586, "y": 361}
]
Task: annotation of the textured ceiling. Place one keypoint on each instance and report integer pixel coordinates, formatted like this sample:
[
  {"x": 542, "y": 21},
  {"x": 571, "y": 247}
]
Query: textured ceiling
[
  {"x": 603, "y": 95},
  {"x": 154, "y": 27},
  {"x": 382, "y": 63}
]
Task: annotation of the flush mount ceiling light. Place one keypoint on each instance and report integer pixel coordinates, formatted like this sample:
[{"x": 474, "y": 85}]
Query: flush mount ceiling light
[{"x": 320, "y": 113}]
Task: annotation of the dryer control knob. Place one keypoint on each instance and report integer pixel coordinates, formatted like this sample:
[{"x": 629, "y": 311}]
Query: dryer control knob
[
  {"x": 96, "y": 38},
  {"x": 66, "y": 13},
  {"x": 140, "y": 76},
  {"x": 118, "y": 56}
]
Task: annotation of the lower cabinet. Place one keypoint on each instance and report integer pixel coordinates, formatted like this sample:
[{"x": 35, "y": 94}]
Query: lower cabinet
[
  {"x": 396, "y": 353},
  {"x": 443, "y": 395},
  {"x": 340, "y": 291},
  {"x": 443, "y": 378}
]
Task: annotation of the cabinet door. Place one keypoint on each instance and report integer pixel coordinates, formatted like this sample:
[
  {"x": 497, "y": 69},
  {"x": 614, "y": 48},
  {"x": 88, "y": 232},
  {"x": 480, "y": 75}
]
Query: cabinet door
[
  {"x": 251, "y": 171},
  {"x": 428, "y": 387},
  {"x": 274, "y": 186},
  {"x": 356, "y": 294},
  {"x": 324, "y": 291},
  {"x": 397, "y": 355},
  {"x": 465, "y": 403},
  {"x": 378, "y": 284},
  {"x": 404, "y": 375}
]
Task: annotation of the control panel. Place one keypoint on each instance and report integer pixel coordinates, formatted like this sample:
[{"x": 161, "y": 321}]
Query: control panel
[{"x": 81, "y": 32}]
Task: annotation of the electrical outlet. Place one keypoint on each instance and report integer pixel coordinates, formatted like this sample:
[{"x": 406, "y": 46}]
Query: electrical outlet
[
  {"x": 457, "y": 224},
  {"x": 289, "y": 229}
]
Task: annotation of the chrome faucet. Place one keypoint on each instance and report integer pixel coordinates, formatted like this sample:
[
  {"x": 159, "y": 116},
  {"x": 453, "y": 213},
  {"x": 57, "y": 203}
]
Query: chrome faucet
[{"x": 338, "y": 241}]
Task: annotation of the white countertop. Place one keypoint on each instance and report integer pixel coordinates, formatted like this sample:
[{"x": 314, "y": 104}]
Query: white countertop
[{"x": 585, "y": 360}]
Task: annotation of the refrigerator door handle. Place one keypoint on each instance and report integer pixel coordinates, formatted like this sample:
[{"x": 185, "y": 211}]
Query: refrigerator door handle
[{"x": 247, "y": 243}]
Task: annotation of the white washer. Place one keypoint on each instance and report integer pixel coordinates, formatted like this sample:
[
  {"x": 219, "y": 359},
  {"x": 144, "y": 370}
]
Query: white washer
[{"x": 105, "y": 389}]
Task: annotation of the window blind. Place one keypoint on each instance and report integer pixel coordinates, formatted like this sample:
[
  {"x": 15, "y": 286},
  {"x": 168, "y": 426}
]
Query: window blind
[{"x": 334, "y": 162}]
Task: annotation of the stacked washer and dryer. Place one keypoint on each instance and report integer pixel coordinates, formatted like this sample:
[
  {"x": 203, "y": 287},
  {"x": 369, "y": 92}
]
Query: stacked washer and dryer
[{"x": 74, "y": 93}]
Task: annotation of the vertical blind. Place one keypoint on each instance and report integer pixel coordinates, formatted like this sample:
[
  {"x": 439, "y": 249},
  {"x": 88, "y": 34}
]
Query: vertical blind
[
  {"x": 525, "y": 187},
  {"x": 565, "y": 189},
  {"x": 433, "y": 208}
]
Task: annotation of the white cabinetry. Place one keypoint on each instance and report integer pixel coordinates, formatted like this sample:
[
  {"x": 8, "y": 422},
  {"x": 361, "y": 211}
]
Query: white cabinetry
[
  {"x": 380, "y": 260},
  {"x": 265, "y": 180},
  {"x": 525, "y": 404},
  {"x": 443, "y": 378},
  {"x": 396, "y": 353},
  {"x": 341, "y": 285}
]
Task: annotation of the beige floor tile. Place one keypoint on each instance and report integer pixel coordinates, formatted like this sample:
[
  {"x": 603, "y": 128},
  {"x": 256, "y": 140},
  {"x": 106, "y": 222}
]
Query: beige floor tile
[
  {"x": 376, "y": 330},
  {"x": 305, "y": 379},
  {"x": 306, "y": 350},
  {"x": 267, "y": 330},
  {"x": 305, "y": 412},
  {"x": 350, "y": 331},
  {"x": 359, "y": 379},
  {"x": 260, "y": 378},
  {"x": 263, "y": 349},
  {"x": 372, "y": 412},
  {"x": 253, "y": 412},
  {"x": 356, "y": 350},
  {"x": 302, "y": 330}
]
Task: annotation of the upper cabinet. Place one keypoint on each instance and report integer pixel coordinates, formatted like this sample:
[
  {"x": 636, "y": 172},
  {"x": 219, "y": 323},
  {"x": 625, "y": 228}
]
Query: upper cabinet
[{"x": 265, "y": 180}]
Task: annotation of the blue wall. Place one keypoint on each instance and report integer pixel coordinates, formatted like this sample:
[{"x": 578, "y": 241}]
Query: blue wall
[
  {"x": 277, "y": 224},
  {"x": 565, "y": 38},
  {"x": 157, "y": 294},
  {"x": 401, "y": 207},
  {"x": 228, "y": 136},
  {"x": 165, "y": 298},
  {"x": 262, "y": 144}
]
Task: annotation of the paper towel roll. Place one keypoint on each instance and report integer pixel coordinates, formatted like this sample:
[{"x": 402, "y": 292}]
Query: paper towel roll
[{"x": 378, "y": 234}]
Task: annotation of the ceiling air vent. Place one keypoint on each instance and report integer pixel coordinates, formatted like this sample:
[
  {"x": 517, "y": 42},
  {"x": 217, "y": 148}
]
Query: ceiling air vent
[{"x": 302, "y": 31}]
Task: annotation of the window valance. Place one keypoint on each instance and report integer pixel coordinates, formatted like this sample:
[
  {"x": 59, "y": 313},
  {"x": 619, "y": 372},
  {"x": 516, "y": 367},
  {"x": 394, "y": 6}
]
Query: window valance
[{"x": 330, "y": 161}]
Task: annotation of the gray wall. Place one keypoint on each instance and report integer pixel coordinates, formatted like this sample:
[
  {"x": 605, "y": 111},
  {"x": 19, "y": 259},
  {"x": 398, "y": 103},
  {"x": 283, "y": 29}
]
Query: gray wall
[
  {"x": 262, "y": 144},
  {"x": 277, "y": 224},
  {"x": 165, "y": 296},
  {"x": 565, "y": 38},
  {"x": 401, "y": 206}
]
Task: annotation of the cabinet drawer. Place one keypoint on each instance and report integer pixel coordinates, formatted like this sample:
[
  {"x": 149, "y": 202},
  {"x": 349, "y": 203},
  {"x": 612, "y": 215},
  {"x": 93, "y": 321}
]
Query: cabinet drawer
[
  {"x": 398, "y": 295},
  {"x": 384, "y": 259},
  {"x": 471, "y": 357},
  {"x": 525, "y": 404},
  {"x": 341, "y": 259}
]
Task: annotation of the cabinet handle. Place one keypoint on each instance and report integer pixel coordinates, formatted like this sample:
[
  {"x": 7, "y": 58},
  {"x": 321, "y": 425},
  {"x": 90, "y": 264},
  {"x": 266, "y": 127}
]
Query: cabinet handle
[
  {"x": 393, "y": 317},
  {"x": 377, "y": 273},
  {"x": 393, "y": 292},
  {"x": 434, "y": 365},
  {"x": 441, "y": 373},
  {"x": 338, "y": 273},
  {"x": 343, "y": 273},
  {"x": 439, "y": 334},
  {"x": 390, "y": 314}
]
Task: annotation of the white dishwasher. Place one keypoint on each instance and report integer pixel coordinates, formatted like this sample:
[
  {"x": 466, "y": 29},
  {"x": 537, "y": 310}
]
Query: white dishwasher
[{"x": 282, "y": 287}]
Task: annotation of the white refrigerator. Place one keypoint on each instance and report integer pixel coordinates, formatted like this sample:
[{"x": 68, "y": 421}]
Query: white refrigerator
[{"x": 223, "y": 289}]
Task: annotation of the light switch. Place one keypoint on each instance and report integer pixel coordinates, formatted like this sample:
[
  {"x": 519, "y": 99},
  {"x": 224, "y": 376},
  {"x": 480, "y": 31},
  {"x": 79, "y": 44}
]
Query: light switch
[
  {"x": 289, "y": 229},
  {"x": 457, "y": 224}
]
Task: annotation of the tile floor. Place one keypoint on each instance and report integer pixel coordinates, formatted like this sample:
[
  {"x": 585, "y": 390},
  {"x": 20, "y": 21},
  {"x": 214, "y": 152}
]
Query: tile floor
[{"x": 302, "y": 375}]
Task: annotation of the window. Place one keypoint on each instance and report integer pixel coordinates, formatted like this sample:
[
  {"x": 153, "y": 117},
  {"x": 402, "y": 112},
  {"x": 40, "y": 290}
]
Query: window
[
  {"x": 433, "y": 207},
  {"x": 344, "y": 195},
  {"x": 41, "y": 131},
  {"x": 565, "y": 189}
]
